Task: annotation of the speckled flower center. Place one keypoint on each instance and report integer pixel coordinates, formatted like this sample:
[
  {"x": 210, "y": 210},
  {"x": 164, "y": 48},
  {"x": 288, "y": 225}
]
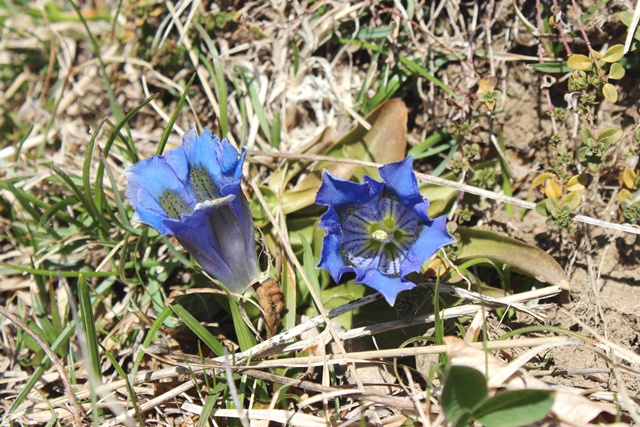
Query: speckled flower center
[
  {"x": 202, "y": 185},
  {"x": 174, "y": 204},
  {"x": 379, "y": 236}
]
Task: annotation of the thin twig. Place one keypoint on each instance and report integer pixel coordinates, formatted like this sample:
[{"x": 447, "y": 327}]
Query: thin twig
[{"x": 627, "y": 228}]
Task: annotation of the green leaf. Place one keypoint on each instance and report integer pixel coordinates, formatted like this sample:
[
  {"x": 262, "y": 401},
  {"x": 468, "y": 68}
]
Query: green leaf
[
  {"x": 169, "y": 128},
  {"x": 309, "y": 265},
  {"x": 579, "y": 62},
  {"x": 197, "y": 328},
  {"x": 626, "y": 18},
  {"x": 246, "y": 339},
  {"x": 573, "y": 199},
  {"x": 610, "y": 137},
  {"x": 551, "y": 67},
  {"x": 89, "y": 343},
  {"x": 89, "y": 328},
  {"x": 523, "y": 258},
  {"x": 610, "y": 93},
  {"x": 375, "y": 32},
  {"x": 464, "y": 389},
  {"x": 616, "y": 72},
  {"x": 541, "y": 208},
  {"x": 148, "y": 339},
  {"x": 614, "y": 54},
  {"x": 586, "y": 134},
  {"x": 514, "y": 408}
]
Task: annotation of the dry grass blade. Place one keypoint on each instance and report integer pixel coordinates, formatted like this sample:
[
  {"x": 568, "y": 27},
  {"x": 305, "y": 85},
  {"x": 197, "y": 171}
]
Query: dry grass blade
[{"x": 455, "y": 185}]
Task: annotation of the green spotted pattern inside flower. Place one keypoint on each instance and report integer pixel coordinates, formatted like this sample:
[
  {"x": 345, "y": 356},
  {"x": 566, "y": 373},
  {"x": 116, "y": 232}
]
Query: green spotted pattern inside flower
[
  {"x": 379, "y": 236},
  {"x": 202, "y": 185},
  {"x": 173, "y": 204}
]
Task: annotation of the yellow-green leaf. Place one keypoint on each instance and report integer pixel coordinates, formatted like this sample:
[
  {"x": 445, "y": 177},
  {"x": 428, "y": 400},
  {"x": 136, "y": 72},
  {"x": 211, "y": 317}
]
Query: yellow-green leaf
[
  {"x": 626, "y": 18},
  {"x": 521, "y": 257},
  {"x": 614, "y": 53},
  {"x": 610, "y": 93},
  {"x": 573, "y": 199},
  {"x": 610, "y": 136},
  {"x": 579, "y": 62},
  {"x": 616, "y": 72},
  {"x": 628, "y": 178}
]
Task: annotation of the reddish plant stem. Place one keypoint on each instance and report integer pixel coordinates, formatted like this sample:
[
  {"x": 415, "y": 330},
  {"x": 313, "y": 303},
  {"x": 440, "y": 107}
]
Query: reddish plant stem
[{"x": 541, "y": 58}]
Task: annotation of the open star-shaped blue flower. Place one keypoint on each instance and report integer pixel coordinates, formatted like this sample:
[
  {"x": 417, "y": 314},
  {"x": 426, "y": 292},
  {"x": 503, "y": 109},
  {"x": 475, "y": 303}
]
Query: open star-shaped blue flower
[
  {"x": 193, "y": 193},
  {"x": 379, "y": 230}
]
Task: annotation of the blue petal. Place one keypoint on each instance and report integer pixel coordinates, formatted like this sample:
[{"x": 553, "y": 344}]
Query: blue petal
[
  {"x": 177, "y": 159},
  {"x": 429, "y": 241},
  {"x": 338, "y": 192},
  {"x": 217, "y": 157},
  {"x": 388, "y": 286},
  {"x": 401, "y": 180},
  {"x": 219, "y": 241},
  {"x": 148, "y": 180},
  {"x": 332, "y": 259}
]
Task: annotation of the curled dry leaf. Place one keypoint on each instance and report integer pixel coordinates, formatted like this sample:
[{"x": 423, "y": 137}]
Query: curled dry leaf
[
  {"x": 272, "y": 303},
  {"x": 569, "y": 405}
]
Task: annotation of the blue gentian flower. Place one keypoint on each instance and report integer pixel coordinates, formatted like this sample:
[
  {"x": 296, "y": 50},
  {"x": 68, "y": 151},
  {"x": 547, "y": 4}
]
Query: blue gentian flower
[
  {"x": 378, "y": 230},
  {"x": 193, "y": 193}
]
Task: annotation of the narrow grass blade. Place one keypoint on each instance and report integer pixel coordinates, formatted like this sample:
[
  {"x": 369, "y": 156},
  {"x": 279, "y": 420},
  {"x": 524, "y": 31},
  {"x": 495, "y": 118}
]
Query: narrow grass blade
[
  {"x": 411, "y": 65},
  {"x": 209, "y": 405},
  {"x": 115, "y": 132},
  {"x": 507, "y": 189},
  {"x": 92, "y": 204},
  {"x": 153, "y": 330},
  {"x": 218, "y": 77},
  {"x": 130, "y": 390},
  {"x": 257, "y": 106},
  {"x": 197, "y": 328},
  {"x": 90, "y": 337},
  {"x": 62, "y": 273},
  {"x": 174, "y": 116},
  {"x": 124, "y": 217},
  {"x": 57, "y": 209},
  {"x": 289, "y": 288},
  {"x": 89, "y": 206},
  {"x": 246, "y": 339},
  {"x": 309, "y": 265},
  {"x": 275, "y": 130}
]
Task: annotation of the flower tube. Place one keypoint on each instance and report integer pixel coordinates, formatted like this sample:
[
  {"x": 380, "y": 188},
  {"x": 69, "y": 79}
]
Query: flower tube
[
  {"x": 378, "y": 230},
  {"x": 193, "y": 193}
]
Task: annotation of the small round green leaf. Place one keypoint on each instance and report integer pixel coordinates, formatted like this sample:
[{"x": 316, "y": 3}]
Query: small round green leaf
[
  {"x": 579, "y": 62},
  {"x": 616, "y": 72},
  {"x": 463, "y": 390},
  {"x": 610, "y": 93},
  {"x": 614, "y": 53}
]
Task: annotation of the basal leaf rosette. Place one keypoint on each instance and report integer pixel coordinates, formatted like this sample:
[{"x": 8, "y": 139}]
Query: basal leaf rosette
[
  {"x": 378, "y": 230},
  {"x": 193, "y": 193}
]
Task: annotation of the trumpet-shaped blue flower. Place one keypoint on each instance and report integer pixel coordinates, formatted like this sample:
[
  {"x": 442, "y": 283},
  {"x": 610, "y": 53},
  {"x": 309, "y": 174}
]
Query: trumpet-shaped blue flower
[
  {"x": 193, "y": 193},
  {"x": 378, "y": 230}
]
